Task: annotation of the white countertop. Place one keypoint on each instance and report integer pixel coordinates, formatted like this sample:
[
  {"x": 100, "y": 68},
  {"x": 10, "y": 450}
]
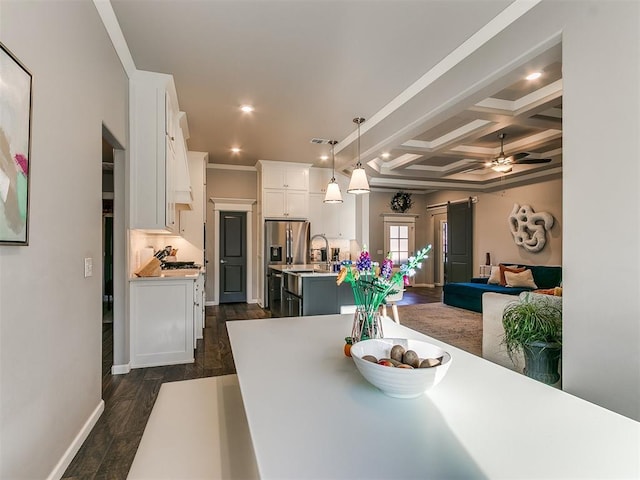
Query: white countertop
[
  {"x": 312, "y": 415},
  {"x": 177, "y": 274},
  {"x": 318, "y": 270}
]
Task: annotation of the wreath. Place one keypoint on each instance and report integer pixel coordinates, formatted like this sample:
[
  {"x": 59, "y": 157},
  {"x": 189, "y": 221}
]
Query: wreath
[{"x": 401, "y": 202}]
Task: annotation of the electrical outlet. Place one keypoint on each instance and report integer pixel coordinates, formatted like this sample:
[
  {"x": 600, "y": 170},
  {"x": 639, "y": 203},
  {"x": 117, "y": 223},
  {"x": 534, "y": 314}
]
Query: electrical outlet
[
  {"x": 380, "y": 252},
  {"x": 88, "y": 267}
]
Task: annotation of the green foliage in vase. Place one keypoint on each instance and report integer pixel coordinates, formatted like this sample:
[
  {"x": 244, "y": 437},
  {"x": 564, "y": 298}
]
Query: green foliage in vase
[{"x": 531, "y": 319}]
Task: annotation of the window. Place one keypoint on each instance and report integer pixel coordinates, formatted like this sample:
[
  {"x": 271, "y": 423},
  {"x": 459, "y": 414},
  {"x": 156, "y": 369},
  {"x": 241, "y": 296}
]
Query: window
[
  {"x": 399, "y": 243},
  {"x": 399, "y": 238}
]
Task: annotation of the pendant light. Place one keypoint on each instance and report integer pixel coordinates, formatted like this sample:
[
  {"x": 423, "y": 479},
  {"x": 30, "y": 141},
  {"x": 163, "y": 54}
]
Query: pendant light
[
  {"x": 359, "y": 183},
  {"x": 333, "y": 194}
]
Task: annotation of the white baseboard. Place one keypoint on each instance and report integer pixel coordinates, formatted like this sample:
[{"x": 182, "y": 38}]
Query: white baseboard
[
  {"x": 120, "y": 369},
  {"x": 65, "y": 461}
]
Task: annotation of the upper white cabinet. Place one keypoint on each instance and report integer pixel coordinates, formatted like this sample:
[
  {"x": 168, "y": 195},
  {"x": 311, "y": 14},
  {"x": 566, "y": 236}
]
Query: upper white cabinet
[
  {"x": 183, "y": 194},
  {"x": 285, "y": 188},
  {"x": 333, "y": 220},
  {"x": 285, "y": 176},
  {"x": 158, "y": 154},
  {"x": 192, "y": 221},
  {"x": 319, "y": 179}
]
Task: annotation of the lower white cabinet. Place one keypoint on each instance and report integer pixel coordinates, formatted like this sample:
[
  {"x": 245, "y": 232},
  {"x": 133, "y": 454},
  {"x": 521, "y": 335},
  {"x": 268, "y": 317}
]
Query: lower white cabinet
[
  {"x": 162, "y": 321},
  {"x": 198, "y": 308}
]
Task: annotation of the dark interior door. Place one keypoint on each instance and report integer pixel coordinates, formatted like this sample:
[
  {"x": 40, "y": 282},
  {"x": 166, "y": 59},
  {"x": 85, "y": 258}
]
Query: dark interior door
[
  {"x": 459, "y": 261},
  {"x": 233, "y": 257}
]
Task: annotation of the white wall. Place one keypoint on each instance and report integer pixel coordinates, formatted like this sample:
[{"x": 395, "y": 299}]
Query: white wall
[
  {"x": 50, "y": 315},
  {"x": 601, "y": 354}
]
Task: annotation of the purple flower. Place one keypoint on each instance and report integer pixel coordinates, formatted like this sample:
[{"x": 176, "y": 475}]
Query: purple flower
[
  {"x": 364, "y": 261},
  {"x": 387, "y": 266}
]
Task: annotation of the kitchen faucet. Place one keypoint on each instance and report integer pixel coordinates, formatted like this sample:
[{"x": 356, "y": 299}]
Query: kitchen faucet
[{"x": 326, "y": 245}]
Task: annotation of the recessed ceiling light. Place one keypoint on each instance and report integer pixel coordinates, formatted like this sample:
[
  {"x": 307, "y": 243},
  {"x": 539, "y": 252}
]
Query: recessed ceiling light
[
  {"x": 247, "y": 108},
  {"x": 324, "y": 158},
  {"x": 235, "y": 150},
  {"x": 533, "y": 76},
  {"x": 385, "y": 155}
]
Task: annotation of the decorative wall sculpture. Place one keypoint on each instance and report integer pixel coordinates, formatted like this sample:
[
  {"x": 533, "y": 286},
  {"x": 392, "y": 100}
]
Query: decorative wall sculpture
[{"x": 529, "y": 229}]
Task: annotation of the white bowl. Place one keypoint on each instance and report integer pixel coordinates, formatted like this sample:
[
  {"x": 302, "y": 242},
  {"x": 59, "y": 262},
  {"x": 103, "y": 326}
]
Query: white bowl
[{"x": 400, "y": 382}]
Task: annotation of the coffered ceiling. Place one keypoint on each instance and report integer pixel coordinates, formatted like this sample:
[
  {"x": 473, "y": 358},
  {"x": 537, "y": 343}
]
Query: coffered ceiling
[{"x": 309, "y": 67}]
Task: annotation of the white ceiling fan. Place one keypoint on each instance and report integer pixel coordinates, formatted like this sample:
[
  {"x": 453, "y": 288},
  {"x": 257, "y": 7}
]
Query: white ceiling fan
[{"x": 504, "y": 164}]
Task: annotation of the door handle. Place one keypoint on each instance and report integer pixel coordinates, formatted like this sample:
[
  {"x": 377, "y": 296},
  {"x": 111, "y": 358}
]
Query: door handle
[{"x": 223, "y": 261}]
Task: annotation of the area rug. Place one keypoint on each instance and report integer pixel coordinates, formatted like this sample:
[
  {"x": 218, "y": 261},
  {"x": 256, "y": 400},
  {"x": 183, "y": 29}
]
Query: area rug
[{"x": 455, "y": 326}]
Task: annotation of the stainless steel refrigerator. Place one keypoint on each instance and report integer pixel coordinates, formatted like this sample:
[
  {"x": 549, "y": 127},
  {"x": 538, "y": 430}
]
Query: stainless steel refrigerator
[{"x": 285, "y": 243}]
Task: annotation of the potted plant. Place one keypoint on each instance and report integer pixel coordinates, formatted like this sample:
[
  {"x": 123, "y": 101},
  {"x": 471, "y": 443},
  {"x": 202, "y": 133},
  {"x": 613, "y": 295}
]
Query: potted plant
[{"x": 533, "y": 325}]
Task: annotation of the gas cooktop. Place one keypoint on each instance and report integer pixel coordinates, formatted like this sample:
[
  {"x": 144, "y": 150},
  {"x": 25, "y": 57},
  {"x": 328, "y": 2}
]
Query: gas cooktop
[{"x": 179, "y": 265}]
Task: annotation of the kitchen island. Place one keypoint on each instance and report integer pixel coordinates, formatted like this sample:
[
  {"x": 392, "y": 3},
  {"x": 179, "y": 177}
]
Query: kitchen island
[
  {"x": 312, "y": 415},
  {"x": 309, "y": 289}
]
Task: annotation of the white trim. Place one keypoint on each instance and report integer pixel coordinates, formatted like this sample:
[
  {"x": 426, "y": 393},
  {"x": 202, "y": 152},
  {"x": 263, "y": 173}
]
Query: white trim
[
  {"x": 108, "y": 17},
  {"x": 121, "y": 369},
  {"x": 210, "y": 304},
  {"x": 224, "y": 166},
  {"x": 399, "y": 217},
  {"x": 501, "y": 21},
  {"x": 231, "y": 205},
  {"x": 67, "y": 457}
]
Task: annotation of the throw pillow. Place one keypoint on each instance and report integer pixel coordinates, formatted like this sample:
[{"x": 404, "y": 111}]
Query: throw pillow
[
  {"x": 508, "y": 268},
  {"x": 494, "y": 278},
  {"x": 545, "y": 291},
  {"x": 520, "y": 279},
  {"x": 555, "y": 291}
]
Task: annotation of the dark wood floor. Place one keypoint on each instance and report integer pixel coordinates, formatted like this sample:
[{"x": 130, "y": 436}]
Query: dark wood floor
[{"x": 109, "y": 450}]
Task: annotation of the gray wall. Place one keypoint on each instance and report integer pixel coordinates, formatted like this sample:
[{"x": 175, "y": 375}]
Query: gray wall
[
  {"x": 50, "y": 315},
  {"x": 490, "y": 227}
]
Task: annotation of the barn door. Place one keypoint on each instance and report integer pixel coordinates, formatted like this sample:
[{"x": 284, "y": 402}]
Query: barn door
[{"x": 459, "y": 261}]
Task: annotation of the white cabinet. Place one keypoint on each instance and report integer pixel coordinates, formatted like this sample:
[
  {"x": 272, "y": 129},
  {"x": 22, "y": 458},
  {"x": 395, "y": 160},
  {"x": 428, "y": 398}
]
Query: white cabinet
[
  {"x": 319, "y": 179},
  {"x": 192, "y": 221},
  {"x": 291, "y": 177},
  {"x": 198, "y": 308},
  {"x": 284, "y": 190},
  {"x": 162, "y": 321},
  {"x": 158, "y": 155},
  {"x": 333, "y": 220},
  {"x": 285, "y": 204},
  {"x": 182, "y": 192}
]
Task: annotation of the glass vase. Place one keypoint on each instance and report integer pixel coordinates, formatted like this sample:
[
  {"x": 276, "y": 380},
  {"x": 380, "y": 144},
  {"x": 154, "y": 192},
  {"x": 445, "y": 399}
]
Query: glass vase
[{"x": 367, "y": 323}]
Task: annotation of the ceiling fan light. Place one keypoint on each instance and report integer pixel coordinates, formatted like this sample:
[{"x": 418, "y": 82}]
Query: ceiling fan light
[
  {"x": 502, "y": 168},
  {"x": 333, "y": 194}
]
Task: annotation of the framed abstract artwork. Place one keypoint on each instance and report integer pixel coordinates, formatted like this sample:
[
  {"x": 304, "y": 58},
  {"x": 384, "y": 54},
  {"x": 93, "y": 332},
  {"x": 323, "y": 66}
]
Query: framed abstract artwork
[{"x": 15, "y": 144}]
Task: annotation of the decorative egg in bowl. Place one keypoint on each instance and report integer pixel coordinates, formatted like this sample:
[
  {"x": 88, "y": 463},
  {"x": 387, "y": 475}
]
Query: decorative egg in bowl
[{"x": 381, "y": 362}]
